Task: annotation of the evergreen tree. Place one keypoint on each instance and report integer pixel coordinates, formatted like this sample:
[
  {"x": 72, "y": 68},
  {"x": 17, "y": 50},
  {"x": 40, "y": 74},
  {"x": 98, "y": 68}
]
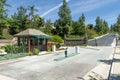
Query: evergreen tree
[
  {"x": 98, "y": 26},
  {"x": 48, "y": 26},
  {"x": 116, "y": 27},
  {"x": 25, "y": 18},
  {"x": 37, "y": 21},
  {"x": 3, "y": 14},
  {"x": 81, "y": 22},
  {"x": 105, "y": 27},
  {"x": 20, "y": 20},
  {"x": 101, "y": 26},
  {"x": 90, "y": 26},
  {"x": 118, "y": 19},
  {"x": 32, "y": 11},
  {"x": 118, "y": 24},
  {"x": 79, "y": 26},
  {"x": 64, "y": 21},
  {"x": 113, "y": 28},
  {"x": 76, "y": 28}
]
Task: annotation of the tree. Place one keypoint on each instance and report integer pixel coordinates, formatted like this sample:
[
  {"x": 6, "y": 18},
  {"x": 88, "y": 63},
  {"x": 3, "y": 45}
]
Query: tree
[
  {"x": 113, "y": 28},
  {"x": 81, "y": 22},
  {"x": 99, "y": 27},
  {"x": 14, "y": 28},
  {"x": 35, "y": 20},
  {"x": 3, "y": 14},
  {"x": 20, "y": 20},
  {"x": 118, "y": 24},
  {"x": 90, "y": 32},
  {"x": 48, "y": 26},
  {"x": 38, "y": 21},
  {"x": 118, "y": 19},
  {"x": 32, "y": 11},
  {"x": 25, "y": 18},
  {"x": 64, "y": 21},
  {"x": 83, "y": 17},
  {"x": 90, "y": 26},
  {"x": 105, "y": 27},
  {"x": 76, "y": 28},
  {"x": 79, "y": 26}
]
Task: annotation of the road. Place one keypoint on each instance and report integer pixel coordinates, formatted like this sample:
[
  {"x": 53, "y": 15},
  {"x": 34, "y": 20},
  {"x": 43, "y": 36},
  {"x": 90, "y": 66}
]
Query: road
[
  {"x": 103, "y": 41},
  {"x": 45, "y": 68}
]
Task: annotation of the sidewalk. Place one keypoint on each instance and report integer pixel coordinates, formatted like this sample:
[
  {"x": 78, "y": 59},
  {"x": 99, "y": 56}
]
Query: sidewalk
[
  {"x": 115, "y": 72},
  {"x": 100, "y": 72}
]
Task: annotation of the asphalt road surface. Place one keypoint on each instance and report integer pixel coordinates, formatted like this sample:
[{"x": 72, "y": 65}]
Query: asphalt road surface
[
  {"x": 103, "y": 41},
  {"x": 45, "y": 68}
]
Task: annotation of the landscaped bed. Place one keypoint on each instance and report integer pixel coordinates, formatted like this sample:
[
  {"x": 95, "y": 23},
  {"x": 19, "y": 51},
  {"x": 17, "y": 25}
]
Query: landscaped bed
[{"x": 11, "y": 56}]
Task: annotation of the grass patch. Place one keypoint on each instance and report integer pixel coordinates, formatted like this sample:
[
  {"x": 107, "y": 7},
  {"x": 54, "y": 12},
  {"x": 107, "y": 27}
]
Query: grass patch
[{"x": 12, "y": 56}]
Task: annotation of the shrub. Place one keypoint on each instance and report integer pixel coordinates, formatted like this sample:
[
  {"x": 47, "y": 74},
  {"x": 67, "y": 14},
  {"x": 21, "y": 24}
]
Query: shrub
[
  {"x": 91, "y": 33},
  {"x": 8, "y": 48},
  {"x": 13, "y": 48},
  {"x": 56, "y": 38},
  {"x": 36, "y": 51},
  {"x": 30, "y": 53}
]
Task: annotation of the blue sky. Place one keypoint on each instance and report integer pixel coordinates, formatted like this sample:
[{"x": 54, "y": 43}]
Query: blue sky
[{"x": 48, "y": 9}]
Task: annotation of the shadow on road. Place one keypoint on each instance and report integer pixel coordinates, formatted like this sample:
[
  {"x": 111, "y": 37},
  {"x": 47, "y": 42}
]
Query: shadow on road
[
  {"x": 106, "y": 61},
  {"x": 110, "y": 61}
]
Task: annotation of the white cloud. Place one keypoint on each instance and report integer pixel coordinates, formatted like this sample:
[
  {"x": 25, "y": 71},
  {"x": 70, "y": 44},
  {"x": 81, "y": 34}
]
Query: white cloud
[
  {"x": 89, "y": 5},
  {"x": 52, "y": 9}
]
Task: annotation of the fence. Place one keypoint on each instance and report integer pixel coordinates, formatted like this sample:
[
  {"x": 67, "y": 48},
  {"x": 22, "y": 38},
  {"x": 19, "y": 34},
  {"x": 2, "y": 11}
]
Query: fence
[{"x": 75, "y": 41}]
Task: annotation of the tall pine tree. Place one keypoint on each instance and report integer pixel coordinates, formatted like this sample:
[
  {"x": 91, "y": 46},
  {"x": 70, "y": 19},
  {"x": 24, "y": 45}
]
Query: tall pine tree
[
  {"x": 3, "y": 14},
  {"x": 64, "y": 22}
]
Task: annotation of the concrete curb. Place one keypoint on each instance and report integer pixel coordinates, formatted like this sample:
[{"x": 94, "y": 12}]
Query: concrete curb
[{"x": 115, "y": 71}]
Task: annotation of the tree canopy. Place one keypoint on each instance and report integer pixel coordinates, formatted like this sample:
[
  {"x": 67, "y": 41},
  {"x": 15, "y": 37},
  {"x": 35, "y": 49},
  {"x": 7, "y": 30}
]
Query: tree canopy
[
  {"x": 101, "y": 26},
  {"x": 64, "y": 21},
  {"x": 26, "y": 17}
]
